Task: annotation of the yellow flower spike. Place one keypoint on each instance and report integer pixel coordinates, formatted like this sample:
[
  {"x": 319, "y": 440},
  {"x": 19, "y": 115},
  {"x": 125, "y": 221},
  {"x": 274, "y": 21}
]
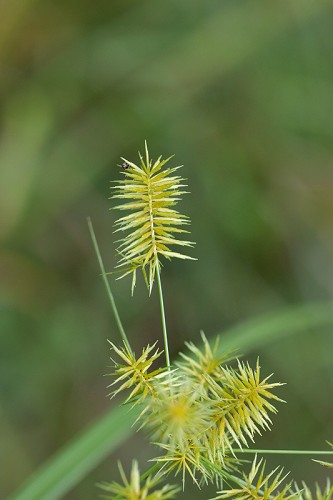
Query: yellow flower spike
[
  {"x": 177, "y": 415},
  {"x": 184, "y": 461},
  {"x": 258, "y": 486},
  {"x": 193, "y": 462},
  {"x": 133, "y": 373},
  {"x": 149, "y": 191},
  {"x": 241, "y": 404},
  {"x": 135, "y": 489},
  {"x": 205, "y": 363},
  {"x": 179, "y": 419}
]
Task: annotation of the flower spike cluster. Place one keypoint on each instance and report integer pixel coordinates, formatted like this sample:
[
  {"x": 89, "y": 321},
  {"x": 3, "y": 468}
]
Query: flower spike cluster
[
  {"x": 202, "y": 411},
  {"x": 198, "y": 412},
  {"x": 149, "y": 191}
]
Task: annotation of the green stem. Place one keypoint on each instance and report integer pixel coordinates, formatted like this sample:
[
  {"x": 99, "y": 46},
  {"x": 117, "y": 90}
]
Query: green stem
[
  {"x": 285, "y": 452},
  {"x": 165, "y": 333},
  {"x": 107, "y": 285}
]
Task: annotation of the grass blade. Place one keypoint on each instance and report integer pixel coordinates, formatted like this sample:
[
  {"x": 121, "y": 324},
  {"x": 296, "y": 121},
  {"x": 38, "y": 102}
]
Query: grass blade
[
  {"x": 62, "y": 472},
  {"x": 256, "y": 333}
]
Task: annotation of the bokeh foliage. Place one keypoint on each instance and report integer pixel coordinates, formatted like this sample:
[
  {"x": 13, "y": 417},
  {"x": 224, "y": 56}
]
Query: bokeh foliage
[{"x": 241, "y": 92}]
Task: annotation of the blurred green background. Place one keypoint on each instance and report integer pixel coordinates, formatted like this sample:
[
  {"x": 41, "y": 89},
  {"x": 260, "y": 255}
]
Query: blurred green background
[{"x": 242, "y": 93}]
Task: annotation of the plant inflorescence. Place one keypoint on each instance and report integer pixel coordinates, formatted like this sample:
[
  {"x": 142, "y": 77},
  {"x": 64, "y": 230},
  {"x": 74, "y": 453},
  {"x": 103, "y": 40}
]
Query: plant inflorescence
[{"x": 206, "y": 408}]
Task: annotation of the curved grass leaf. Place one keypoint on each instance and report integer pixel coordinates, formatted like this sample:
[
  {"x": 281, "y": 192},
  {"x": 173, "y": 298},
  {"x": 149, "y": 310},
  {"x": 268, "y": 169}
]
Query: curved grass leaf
[{"x": 80, "y": 456}]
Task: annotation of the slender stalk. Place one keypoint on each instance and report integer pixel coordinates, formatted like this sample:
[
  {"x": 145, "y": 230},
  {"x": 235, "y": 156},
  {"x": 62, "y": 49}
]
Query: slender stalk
[
  {"x": 165, "y": 333},
  {"x": 285, "y": 452},
  {"x": 107, "y": 285}
]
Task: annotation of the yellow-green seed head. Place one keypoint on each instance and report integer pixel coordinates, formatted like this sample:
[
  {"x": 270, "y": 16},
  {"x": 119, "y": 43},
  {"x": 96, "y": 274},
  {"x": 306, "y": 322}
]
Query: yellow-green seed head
[
  {"x": 135, "y": 488},
  {"x": 149, "y": 191},
  {"x": 135, "y": 373},
  {"x": 260, "y": 486}
]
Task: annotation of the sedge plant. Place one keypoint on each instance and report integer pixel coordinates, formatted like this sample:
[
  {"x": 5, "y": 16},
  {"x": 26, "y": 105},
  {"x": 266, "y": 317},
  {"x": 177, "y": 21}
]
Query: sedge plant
[{"x": 205, "y": 410}]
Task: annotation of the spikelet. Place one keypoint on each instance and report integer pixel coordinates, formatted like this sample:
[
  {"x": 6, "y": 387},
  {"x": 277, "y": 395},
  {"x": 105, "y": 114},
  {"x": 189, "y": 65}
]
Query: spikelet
[
  {"x": 177, "y": 415},
  {"x": 150, "y": 192},
  {"x": 133, "y": 373},
  {"x": 304, "y": 493},
  {"x": 135, "y": 489},
  {"x": 193, "y": 462},
  {"x": 241, "y": 404},
  {"x": 177, "y": 419},
  {"x": 202, "y": 364},
  {"x": 258, "y": 486},
  {"x": 186, "y": 461},
  {"x": 326, "y": 464}
]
